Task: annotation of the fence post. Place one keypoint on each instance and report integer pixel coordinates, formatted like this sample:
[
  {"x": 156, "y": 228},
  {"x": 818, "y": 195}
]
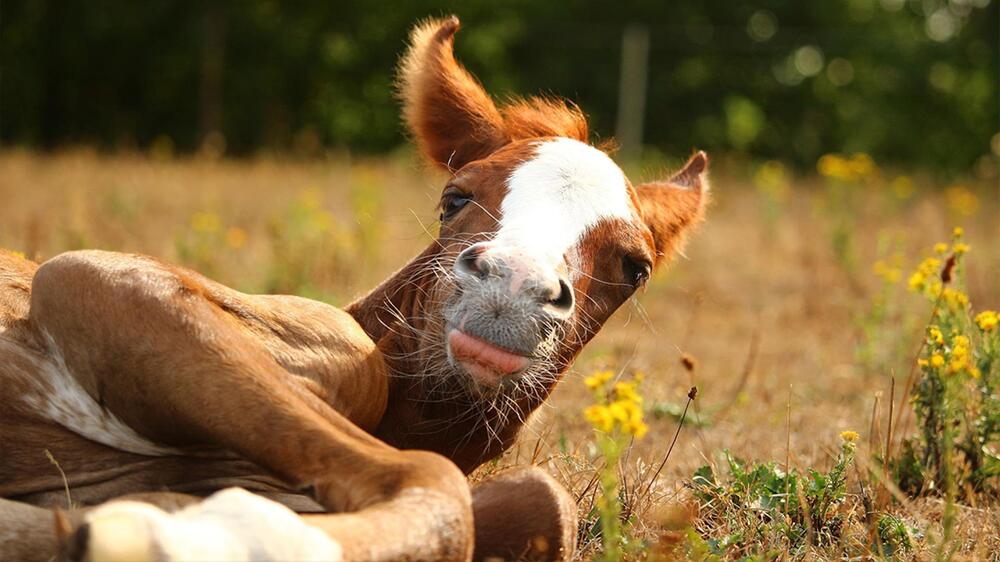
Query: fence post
[{"x": 632, "y": 90}]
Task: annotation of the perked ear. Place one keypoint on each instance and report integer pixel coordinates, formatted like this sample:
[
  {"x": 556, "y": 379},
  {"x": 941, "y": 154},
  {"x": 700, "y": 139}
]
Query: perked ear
[
  {"x": 447, "y": 110},
  {"x": 670, "y": 208}
]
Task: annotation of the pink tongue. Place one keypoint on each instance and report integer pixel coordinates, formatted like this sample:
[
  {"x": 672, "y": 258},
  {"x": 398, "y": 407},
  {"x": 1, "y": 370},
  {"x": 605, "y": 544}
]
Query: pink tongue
[{"x": 467, "y": 348}]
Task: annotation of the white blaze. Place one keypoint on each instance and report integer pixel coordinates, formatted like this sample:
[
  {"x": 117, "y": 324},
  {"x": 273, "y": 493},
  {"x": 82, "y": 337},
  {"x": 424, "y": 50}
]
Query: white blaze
[{"x": 558, "y": 196}]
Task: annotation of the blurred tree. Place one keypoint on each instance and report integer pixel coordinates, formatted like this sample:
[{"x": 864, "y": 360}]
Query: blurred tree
[{"x": 908, "y": 81}]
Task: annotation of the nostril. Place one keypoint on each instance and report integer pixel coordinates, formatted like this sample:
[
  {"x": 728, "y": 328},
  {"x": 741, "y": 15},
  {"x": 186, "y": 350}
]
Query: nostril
[
  {"x": 564, "y": 300},
  {"x": 470, "y": 262}
]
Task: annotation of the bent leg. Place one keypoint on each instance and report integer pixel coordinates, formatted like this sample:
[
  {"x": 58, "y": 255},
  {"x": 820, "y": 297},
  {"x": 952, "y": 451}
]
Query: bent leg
[{"x": 148, "y": 345}]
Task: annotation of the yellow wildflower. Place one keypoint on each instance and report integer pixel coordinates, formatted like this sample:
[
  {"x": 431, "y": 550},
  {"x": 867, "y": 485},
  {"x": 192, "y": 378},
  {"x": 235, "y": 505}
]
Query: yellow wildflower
[
  {"x": 885, "y": 271},
  {"x": 902, "y": 187},
  {"x": 857, "y": 167},
  {"x": 961, "y": 358},
  {"x": 929, "y": 266},
  {"x": 862, "y": 165},
  {"x": 205, "y": 222},
  {"x": 637, "y": 428},
  {"x": 937, "y": 360},
  {"x": 236, "y": 237},
  {"x": 626, "y": 391},
  {"x": 598, "y": 379},
  {"x": 850, "y": 436},
  {"x": 940, "y": 248},
  {"x": 624, "y": 410},
  {"x": 600, "y": 417},
  {"x": 959, "y": 248},
  {"x": 831, "y": 166},
  {"x": 961, "y": 200},
  {"x": 954, "y": 298},
  {"x": 935, "y": 335},
  {"x": 935, "y": 289},
  {"x": 619, "y": 411},
  {"x": 987, "y": 320},
  {"x": 958, "y": 232},
  {"x": 922, "y": 363},
  {"x": 927, "y": 269},
  {"x": 957, "y": 366}
]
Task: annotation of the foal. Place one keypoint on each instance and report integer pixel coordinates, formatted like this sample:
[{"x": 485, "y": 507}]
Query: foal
[{"x": 141, "y": 376}]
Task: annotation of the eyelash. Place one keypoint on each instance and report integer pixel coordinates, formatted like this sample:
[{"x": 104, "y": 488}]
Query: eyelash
[
  {"x": 452, "y": 203},
  {"x": 636, "y": 271}
]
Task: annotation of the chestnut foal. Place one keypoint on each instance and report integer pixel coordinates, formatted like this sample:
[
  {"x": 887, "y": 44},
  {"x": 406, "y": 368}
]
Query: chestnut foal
[{"x": 140, "y": 376}]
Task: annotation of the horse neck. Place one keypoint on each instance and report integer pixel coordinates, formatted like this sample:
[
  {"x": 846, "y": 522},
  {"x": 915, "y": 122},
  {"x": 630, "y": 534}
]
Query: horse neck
[{"x": 379, "y": 310}]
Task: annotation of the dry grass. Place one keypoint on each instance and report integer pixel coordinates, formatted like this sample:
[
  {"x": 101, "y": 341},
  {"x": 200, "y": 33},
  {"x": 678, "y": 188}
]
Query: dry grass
[{"x": 760, "y": 303}]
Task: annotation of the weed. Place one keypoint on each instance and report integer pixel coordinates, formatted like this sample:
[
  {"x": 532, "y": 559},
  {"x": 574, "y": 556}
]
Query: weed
[
  {"x": 772, "y": 180},
  {"x": 787, "y": 508},
  {"x": 954, "y": 395},
  {"x": 843, "y": 176},
  {"x": 617, "y": 418},
  {"x": 881, "y": 346}
]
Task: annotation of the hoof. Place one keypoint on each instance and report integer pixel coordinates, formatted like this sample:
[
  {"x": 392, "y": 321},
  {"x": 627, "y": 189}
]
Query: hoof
[
  {"x": 230, "y": 525},
  {"x": 524, "y": 514}
]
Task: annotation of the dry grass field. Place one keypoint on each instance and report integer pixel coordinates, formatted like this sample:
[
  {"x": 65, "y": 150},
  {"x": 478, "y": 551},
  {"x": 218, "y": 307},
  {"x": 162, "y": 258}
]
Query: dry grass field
[{"x": 790, "y": 334}]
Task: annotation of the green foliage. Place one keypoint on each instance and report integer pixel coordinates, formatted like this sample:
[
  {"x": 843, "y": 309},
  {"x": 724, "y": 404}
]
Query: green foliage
[
  {"x": 760, "y": 500},
  {"x": 783, "y": 80},
  {"x": 675, "y": 411},
  {"x": 697, "y": 549},
  {"x": 894, "y": 536}
]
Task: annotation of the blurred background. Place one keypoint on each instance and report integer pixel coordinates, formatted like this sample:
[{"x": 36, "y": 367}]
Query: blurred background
[{"x": 910, "y": 82}]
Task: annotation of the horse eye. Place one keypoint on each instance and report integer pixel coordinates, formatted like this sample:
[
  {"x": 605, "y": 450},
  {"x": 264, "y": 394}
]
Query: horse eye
[
  {"x": 636, "y": 271},
  {"x": 452, "y": 204}
]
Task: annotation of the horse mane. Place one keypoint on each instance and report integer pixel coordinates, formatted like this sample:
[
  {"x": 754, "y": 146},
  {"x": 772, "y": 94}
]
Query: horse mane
[{"x": 544, "y": 116}]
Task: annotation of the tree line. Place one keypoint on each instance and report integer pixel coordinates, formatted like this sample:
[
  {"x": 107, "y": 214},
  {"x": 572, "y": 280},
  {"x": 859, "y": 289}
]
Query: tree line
[{"x": 911, "y": 82}]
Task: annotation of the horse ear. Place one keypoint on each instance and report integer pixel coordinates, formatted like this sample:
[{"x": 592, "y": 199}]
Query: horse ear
[
  {"x": 446, "y": 109},
  {"x": 670, "y": 208}
]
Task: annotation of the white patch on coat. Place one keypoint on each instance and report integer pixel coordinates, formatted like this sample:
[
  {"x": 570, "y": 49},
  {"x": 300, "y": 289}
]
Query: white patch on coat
[
  {"x": 555, "y": 198},
  {"x": 59, "y": 397},
  {"x": 232, "y": 524}
]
